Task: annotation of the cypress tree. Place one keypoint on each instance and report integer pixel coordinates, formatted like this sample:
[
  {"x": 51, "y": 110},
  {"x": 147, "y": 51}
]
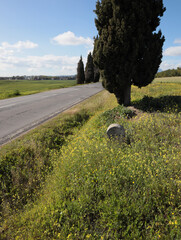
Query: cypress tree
[
  {"x": 80, "y": 72},
  {"x": 89, "y": 69},
  {"x": 128, "y": 50},
  {"x": 96, "y": 74}
]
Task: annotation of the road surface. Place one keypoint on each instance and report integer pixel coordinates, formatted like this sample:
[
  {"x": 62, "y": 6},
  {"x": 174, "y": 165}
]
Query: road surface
[{"x": 20, "y": 114}]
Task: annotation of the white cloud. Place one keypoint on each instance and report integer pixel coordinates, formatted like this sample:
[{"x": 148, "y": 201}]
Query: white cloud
[
  {"x": 5, "y": 52},
  {"x": 8, "y": 48},
  {"x": 175, "y": 50},
  {"x": 13, "y": 63},
  {"x": 42, "y": 61},
  {"x": 69, "y": 39},
  {"x": 166, "y": 65},
  {"x": 172, "y": 51},
  {"x": 19, "y": 45},
  {"x": 36, "y": 65},
  {"x": 177, "y": 41}
]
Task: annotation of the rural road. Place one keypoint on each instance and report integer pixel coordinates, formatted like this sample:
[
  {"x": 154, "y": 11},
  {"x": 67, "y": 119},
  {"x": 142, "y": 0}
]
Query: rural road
[{"x": 20, "y": 114}]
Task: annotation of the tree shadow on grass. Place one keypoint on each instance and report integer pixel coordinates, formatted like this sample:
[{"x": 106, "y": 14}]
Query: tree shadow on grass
[{"x": 161, "y": 104}]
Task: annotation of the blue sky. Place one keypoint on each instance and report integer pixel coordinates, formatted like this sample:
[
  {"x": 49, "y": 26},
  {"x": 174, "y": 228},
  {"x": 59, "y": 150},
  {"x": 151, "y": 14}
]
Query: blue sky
[{"x": 48, "y": 36}]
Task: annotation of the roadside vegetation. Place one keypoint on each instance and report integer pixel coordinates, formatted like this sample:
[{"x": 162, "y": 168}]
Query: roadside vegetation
[
  {"x": 14, "y": 88},
  {"x": 67, "y": 180}
]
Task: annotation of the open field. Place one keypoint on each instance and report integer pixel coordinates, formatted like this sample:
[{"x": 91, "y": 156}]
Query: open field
[
  {"x": 13, "y": 88},
  {"x": 66, "y": 180},
  {"x": 168, "y": 79}
]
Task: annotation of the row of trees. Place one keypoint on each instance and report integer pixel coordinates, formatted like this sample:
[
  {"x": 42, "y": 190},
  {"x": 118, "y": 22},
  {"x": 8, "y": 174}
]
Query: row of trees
[
  {"x": 91, "y": 72},
  {"x": 169, "y": 73}
]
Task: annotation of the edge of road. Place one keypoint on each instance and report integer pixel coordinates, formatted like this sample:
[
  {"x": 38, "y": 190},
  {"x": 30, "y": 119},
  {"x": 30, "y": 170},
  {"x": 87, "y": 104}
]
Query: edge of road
[{"x": 26, "y": 129}]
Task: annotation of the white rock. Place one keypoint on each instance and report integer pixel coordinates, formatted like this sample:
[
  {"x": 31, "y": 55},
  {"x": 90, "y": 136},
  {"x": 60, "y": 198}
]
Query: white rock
[{"x": 116, "y": 131}]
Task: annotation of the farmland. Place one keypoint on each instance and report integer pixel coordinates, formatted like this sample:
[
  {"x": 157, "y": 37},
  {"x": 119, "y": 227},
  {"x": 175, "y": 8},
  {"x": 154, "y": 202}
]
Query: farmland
[
  {"x": 168, "y": 80},
  {"x": 67, "y": 180},
  {"x": 13, "y": 88}
]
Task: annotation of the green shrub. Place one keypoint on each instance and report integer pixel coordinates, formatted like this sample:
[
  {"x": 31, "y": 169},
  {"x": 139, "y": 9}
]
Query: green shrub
[
  {"x": 15, "y": 93},
  {"x": 116, "y": 113}
]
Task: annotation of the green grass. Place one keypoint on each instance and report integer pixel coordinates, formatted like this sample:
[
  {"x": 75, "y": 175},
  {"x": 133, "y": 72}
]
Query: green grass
[
  {"x": 90, "y": 187},
  {"x": 168, "y": 80},
  {"x": 156, "y": 90},
  {"x": 13, "y": 88}
]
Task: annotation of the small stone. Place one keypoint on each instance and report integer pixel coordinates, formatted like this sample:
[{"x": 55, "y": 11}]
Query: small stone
[{"x": 116, "y": 131}]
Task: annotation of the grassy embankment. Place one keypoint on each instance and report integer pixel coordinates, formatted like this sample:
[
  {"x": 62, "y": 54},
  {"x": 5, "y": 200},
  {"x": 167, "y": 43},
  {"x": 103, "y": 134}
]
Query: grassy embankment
[
  {"x": 13, "y": 88},
  {"x": 94, "y": 188}
]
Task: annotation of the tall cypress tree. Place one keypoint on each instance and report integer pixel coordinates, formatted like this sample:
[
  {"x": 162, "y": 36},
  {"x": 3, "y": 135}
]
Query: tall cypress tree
[
  {"x": 89, "y": 69},
  {"x": 128, "y": 50},
  {"x": 80, "y": 72},
  {"x": 96, "y": 74}
]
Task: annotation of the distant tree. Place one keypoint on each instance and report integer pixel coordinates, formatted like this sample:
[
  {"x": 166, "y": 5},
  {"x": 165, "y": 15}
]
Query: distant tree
[
  {"x": 80, "y": 72},
  {"x": 128, "y": 50},
  {"x": 89, "y": 69},
  {"x": 170, "y": 73},
  {"x": 96, "y": 74}
]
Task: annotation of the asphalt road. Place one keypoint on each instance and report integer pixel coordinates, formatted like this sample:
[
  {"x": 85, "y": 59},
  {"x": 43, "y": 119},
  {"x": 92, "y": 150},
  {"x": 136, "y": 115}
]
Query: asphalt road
[{"x": 20, "y": 114}]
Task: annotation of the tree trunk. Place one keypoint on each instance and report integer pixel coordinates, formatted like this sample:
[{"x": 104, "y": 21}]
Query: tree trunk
[
  {"x": 124, "y": 96},
  {"x": 127, "y": 95}
]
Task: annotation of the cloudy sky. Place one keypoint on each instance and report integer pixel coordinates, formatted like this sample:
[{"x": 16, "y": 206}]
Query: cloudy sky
[{"x": 48, "y": 36}]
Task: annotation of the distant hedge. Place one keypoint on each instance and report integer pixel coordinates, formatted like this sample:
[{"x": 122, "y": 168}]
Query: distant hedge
[{"x": 169, "y": 73}]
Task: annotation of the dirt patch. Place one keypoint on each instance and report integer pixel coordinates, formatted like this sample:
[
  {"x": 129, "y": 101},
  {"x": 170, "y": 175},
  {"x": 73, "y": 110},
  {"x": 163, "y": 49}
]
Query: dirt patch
[{"x": 137, "y": 113}]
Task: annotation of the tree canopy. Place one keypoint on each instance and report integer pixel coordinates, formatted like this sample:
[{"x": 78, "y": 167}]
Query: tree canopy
[{"x": 128, "y": 50}]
